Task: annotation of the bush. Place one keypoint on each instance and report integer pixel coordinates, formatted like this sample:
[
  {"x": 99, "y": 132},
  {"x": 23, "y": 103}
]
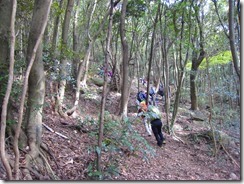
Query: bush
[{"x": 120, "y": 141}]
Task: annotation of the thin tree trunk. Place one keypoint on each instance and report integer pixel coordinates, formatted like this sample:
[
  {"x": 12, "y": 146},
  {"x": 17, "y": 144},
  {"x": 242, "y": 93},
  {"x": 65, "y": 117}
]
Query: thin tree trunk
[
  {"x": 8, "y": 91},
  {"x": 151, "y": 51},
  {"x": 104, "y": 93},
  {"x": 232, "y": 39},
  {"x": 81, "y": 69},
  {"x": 125, "y": 61},
  {"x": 75, "y": 61},
  {"x": 64, "y": 62},
  {"x": 211, "y": 107},
  {"x": 182, "y": 69},
  {"x": 55, "y": 32}
]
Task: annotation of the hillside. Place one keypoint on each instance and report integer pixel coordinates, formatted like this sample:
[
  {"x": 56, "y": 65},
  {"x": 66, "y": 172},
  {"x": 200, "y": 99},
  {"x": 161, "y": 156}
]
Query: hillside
[{"x": 189, "y": 158}]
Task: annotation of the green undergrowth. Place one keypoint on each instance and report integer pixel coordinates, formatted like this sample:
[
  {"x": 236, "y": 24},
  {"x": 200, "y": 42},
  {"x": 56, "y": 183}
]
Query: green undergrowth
[{"x": 120, "y": 141}]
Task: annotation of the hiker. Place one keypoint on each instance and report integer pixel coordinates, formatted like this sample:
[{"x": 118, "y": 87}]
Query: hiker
[
  {"x": 152, "y": 93},
  {"x": 141, "y": 111},
  {"x": 153, "y": 115},
  {"x": 141, "y": 96},
  {"x": 144, "y": 82},
  {"x": 161, "y": 90}
]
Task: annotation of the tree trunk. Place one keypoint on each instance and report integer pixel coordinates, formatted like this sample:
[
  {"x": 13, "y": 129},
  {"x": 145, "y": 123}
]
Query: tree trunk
[
  {"x": 125, "y": 60},
  {"x": 75, "y": 61},
  {"x": 7, "y": 19},
  {"x": 181, "y": 72},
  {"x": 64, "y": 60},
  {"x": 104, "y": 94},
  {"x": 36, "y": 88},
  {"x": 232, "y": 39},
  {"x": 83, "y": 68},
  {"x": 55, "y": 32},
  {"x": 197, "y": 58},
  {"x": 151, "y": 51},
  {"x": 89, "y": 45},
  {"x": 194, "y": 104}
]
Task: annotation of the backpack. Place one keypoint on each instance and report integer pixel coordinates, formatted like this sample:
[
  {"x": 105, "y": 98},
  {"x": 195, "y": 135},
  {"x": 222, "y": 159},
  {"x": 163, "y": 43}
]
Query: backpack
[
  {"x": 154, "y": 113},
  {"x": 141, "y": 96}
]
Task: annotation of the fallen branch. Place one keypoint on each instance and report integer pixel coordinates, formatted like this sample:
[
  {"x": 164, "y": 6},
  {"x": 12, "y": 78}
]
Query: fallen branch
[
  {"x": 51, "y": 130},
  {"x": 230, "y": 155}
]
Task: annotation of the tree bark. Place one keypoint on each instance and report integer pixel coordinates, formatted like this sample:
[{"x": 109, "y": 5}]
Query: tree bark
[
  {"x": 104, "y": 93},
  {"x": 151, "y": 52},
  {"x": 232, "y": 39},
  {"x": 64, "y": 62},
  {"x": 182, "y": 64},
  {"x": 83, "y": 67},
  {"x": 75, "y": 61},
  {"x": 34, "y": 76},
  {"x": 197, "y": 58},
  {"x": 125, "y": 60},
  {"x": 8, "y": 15},
  {"x": 55, "y": 32},
  {"x": 5, "y": 19}
]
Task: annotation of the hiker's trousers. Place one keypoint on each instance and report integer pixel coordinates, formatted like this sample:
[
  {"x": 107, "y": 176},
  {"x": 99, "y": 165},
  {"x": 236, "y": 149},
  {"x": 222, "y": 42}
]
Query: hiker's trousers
[{"x": 157, "y": 131}]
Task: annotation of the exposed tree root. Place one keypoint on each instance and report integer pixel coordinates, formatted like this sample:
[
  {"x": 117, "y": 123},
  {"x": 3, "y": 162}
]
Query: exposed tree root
[
  {"x": 176, "y": 137},
  {"x": 33, "y": 157},
  {"x": 53, "y": 176},
  {"x": 46, "y": 149}
]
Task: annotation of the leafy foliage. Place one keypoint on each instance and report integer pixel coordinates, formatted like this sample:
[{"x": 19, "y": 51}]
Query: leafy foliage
[
  {"x": 220, "y": 59},
  {"x": 120, "y": 140},
  {"x": 136, "y": 8}
]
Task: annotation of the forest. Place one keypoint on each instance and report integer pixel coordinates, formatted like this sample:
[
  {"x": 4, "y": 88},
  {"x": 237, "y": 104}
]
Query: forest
[{"x": 70, "y": 72}]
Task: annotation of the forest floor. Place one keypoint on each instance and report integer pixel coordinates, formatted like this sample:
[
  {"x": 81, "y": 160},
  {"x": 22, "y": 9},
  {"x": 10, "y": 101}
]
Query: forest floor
[{"x": 189, "y": 159}]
